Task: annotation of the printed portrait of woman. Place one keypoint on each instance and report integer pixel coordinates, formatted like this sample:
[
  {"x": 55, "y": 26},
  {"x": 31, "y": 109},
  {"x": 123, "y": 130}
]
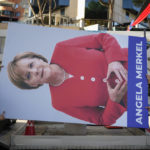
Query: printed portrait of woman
[{"x": 87, "y": 77}]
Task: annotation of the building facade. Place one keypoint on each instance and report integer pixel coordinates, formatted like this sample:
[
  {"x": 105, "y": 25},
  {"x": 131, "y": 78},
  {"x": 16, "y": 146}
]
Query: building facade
[
  {"x": 74, "y": 13},
  {"x": 125, "y": 11},
  {"x": 10, "y": 10}
]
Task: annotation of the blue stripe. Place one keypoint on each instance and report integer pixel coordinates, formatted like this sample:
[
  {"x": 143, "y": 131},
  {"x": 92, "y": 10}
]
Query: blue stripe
[{"x": 137, "y": 83}]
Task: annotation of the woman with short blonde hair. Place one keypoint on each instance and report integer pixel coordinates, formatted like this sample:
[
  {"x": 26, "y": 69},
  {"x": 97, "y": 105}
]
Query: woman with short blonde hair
[
  {"x": 84, "y": 74},
  {"x": 17, "y": 79}
]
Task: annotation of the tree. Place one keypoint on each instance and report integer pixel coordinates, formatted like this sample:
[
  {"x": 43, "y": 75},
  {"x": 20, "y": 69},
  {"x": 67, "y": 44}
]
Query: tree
[
  {"x": 110, "y": 6},
  {"x": 40, "y": 12},
  {"x": 33, "y": 12},
  {"x": 138, "y": 3},
  {"x": 141, "y": 4},
  {"x": 95, "y": 11},
  {"x": 41, "y": 8}
]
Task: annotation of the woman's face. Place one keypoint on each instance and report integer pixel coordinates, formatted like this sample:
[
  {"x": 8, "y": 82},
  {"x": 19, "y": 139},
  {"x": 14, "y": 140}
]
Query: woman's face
[{"x": 34, "y": 71}]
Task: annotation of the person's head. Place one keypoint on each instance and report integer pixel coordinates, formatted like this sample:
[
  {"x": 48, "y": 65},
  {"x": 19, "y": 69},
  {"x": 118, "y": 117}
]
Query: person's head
[{"x": 28, "y": 70}]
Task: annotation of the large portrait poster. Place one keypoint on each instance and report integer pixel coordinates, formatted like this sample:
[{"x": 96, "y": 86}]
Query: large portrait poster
[{"x": 62, "y": 75}]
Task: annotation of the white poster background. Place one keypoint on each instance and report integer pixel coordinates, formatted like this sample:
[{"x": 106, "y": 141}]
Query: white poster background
[{"x": 36, "y": 104}]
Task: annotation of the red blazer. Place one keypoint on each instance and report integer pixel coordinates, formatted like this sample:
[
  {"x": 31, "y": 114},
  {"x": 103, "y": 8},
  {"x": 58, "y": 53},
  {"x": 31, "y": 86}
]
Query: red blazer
[{"x": 83, "y": 95}]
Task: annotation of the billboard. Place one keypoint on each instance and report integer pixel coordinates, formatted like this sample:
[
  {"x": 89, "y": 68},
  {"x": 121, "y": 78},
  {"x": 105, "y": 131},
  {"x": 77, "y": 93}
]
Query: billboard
[{"x": 63, "y": 75}]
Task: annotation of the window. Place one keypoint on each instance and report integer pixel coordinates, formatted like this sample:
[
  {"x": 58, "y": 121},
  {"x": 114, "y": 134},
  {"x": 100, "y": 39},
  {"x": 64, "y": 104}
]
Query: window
[
  {"x": 127, "y": 15},
  {"x": 2, "y": 43},
  {"x": 17, "y": 14},
  {"x": 7, "y": 5},
  {"x": 16, "y": 6},
  {"x": 7, "y": 13},
  {"x": 62, "y": 11}
]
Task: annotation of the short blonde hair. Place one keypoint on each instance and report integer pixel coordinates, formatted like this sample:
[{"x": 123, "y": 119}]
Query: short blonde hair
[{"x": 15, "y": 78}]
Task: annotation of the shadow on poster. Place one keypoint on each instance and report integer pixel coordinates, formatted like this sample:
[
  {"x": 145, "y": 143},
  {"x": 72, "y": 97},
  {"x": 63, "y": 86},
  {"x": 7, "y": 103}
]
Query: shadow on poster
[{"x": 63, "y": 75}]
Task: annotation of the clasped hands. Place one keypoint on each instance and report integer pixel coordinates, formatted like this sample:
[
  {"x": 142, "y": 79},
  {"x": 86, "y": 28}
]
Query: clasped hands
[{"x": 116, "y": 94}]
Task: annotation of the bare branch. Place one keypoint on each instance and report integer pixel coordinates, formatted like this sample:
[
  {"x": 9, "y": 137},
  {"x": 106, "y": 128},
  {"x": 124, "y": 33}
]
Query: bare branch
[
  {"x": 40, "y": 12},
  {"x": 54, "y": 4},
  {"x": 43, "y": 3},
  {"x": 110, "y": 13},
  {"x": 43, "y": 6},
  {"x": 50, "y": 12},
  {"x": 33, "y": 11},
  {"x": 103, "y": 3}
]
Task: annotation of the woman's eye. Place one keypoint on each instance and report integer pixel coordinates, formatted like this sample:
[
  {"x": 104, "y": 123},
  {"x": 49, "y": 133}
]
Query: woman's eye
[
  {"x": 28, "y": 76},
  {"x": 31, "y": 65}
]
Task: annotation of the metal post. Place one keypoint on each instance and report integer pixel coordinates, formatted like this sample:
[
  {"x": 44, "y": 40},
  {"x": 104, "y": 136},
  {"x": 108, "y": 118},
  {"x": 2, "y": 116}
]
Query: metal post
[{"x": 145, "y": 34}]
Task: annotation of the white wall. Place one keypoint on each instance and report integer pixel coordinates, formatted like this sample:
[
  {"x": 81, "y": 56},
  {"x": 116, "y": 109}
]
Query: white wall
[
  {"x": 81, "y": 12},
  {"x": 94, "y": 27}
]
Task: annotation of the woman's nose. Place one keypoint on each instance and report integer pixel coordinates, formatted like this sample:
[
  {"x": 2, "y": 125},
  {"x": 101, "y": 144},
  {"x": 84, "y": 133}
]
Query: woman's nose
[{"x": 34, "y": 71}]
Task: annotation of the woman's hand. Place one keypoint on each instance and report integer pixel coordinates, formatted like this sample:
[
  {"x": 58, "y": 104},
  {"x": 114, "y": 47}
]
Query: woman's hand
[
  {"x": 116, "y": 94},
  {"x": 2, "y": 117},
  {"x": 118, "y": 69}
]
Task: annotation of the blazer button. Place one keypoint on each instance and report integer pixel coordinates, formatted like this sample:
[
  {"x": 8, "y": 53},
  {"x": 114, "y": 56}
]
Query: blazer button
[
  {"x": 82, "y": 77},
  {"x": 93, "y": 79},
  {"x": 104, "y": 80}
]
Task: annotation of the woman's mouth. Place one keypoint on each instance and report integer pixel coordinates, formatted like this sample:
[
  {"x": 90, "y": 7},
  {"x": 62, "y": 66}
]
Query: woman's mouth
[{"x": 42, "y": 73}]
